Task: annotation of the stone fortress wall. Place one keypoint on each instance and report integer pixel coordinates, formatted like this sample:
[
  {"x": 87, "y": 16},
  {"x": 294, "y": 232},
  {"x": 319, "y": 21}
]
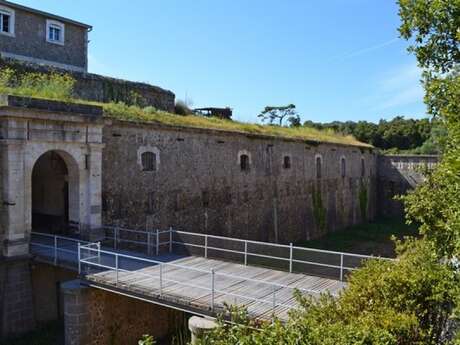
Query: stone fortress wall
[
  {"x": 398, "y": 174},
  {"x": 198, "y": 184}
]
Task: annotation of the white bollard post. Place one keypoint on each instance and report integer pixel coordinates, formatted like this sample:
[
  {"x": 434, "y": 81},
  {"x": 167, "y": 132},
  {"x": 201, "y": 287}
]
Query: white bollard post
[{"x": 199, "y": 327}]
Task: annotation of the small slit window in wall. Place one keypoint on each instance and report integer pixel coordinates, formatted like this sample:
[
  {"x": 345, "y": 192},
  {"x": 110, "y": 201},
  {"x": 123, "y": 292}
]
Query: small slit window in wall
[
  {"x": 287, "y": 162},
  {"x": 149, "y": 161},
  {"x": 55, "y": 32},
  {"x": 363, "y": 167},
  {"x": 244, "y": 162},
  {"x": 343, "y": 167},
  {"x": 6, "y": 21},
  {"x": 319, "y": 163}
]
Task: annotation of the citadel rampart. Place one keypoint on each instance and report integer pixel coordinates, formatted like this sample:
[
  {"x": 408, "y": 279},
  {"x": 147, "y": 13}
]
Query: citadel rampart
[
  {"x": 198, "y": 183},
  {"x": 398, "y": 174}
]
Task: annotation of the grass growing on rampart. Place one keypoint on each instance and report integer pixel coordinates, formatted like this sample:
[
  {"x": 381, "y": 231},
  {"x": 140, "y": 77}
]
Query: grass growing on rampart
[{"x": 59, "y": 87}]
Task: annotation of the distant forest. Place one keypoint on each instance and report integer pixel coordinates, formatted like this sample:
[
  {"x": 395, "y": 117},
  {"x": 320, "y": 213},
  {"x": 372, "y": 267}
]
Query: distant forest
[{"x": 398, "y": 135}]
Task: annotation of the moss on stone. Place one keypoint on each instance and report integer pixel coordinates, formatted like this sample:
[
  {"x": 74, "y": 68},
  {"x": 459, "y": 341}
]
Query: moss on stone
[
  {"x": 363, "y": 200},
  {"x": 319, "y": 211}
]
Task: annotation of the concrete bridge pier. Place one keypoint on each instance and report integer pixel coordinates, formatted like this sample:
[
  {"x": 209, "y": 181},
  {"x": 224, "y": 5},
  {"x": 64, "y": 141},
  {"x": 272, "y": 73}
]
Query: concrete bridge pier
[{"x": 76, "y": 313}]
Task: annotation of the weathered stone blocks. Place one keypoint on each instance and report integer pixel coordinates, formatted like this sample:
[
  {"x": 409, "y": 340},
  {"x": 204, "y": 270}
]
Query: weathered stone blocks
[
  {"x": 97, "y": 317},
  {"x": 16, "y": 307}
]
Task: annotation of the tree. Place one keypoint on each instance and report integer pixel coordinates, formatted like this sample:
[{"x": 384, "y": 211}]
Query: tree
[
  {"x": 272, "y": 114},
  {"x": 434, "y": 26},
  {"x": 396, "y": 135}
]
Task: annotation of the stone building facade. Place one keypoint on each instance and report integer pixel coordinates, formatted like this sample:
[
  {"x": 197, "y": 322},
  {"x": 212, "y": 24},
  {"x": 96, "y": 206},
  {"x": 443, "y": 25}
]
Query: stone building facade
[
  {"x": 288, "y": 191},
  {"x": 34, "y": 36}
]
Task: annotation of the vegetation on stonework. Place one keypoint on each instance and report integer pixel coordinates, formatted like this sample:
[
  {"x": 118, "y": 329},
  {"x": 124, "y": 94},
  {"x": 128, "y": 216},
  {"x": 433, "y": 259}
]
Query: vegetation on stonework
[
  {"x": 319, "y": 211},
  {"x": 363, "y": 200},
  {"x": 414, "y": 299},
  {"x": 51, "y": 86},
  {"x": 59, "y": 87}
]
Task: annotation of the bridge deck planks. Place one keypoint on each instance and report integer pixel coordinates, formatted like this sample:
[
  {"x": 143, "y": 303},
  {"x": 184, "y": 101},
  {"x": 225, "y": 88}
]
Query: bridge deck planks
[{"x": 187, "y": 286}]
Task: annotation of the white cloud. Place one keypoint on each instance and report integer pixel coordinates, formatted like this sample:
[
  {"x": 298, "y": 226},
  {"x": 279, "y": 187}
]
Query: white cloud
[
  {"x": 364, "y": 50},
  {"x": 400, "y": 87}
]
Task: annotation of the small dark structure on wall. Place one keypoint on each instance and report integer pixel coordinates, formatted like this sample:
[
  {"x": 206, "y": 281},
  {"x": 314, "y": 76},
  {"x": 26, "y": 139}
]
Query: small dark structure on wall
[{"x": 222, "y": 113}]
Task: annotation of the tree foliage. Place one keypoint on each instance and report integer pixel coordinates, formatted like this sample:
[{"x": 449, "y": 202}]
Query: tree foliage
[
  {"x": 434, "y": 27},
  {"x": 279, "y": 114},
  {"x": 422, "y": 136}
]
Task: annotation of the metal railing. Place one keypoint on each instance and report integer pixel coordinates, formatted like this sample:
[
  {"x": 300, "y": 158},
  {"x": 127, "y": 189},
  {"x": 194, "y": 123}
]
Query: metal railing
[
  {"x": 149, "y": 242},
  {"x": 56, "y": 249},
  {"x": 293, "y": 259},
  {"x": 91, "y": 256},
  {"x": 290, "y": 258}
]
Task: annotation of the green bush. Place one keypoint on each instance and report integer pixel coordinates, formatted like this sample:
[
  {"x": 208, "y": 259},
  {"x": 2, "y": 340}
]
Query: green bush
[
  {"x": 41, "y": 85},
  {"x": 403, "y": 302}
]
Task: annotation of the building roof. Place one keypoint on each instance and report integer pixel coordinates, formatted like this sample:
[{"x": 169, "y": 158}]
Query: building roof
[{"x": 45, "y": 14}]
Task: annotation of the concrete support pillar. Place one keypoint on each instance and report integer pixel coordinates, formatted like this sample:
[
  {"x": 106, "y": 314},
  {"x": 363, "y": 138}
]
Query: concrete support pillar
[
  {"x": 76, "y": 313},
  {"x": 199, "y": 327},
  {"x": 16, "y": 307}
]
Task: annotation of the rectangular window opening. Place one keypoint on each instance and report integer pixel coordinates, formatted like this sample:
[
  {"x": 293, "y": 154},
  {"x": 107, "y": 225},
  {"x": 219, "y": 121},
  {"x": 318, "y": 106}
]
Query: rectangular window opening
[{"x": 5, "y": 22}]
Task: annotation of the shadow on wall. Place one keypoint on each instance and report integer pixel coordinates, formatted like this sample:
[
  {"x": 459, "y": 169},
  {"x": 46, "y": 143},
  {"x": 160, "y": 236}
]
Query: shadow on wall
[{"x": 397, "y": 175}]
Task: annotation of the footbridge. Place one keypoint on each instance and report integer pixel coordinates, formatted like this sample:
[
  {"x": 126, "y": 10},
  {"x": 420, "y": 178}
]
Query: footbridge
[{"x": 199, "y": 273}]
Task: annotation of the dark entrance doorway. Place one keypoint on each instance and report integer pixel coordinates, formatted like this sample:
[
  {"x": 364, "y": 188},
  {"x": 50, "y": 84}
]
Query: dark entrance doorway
[{"x": 50, "y": 194}]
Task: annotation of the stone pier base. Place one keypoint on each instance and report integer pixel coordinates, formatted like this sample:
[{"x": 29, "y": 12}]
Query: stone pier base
[
  {"x": 97, "y": 317},
  {"x": 16, "y": 307},
  {"x": 199, "y": 327}
]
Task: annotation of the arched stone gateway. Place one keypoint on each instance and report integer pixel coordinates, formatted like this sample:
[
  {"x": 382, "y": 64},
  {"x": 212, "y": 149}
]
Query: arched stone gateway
[
  {"x": 55, "y": 193},
  {"x": 50, "y": 171},
  {"x": 50, "y": 181}
]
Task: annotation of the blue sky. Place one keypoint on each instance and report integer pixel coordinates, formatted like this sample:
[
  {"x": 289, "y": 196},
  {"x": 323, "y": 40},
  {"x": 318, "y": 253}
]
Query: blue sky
[{"x": 335, "y": 59}]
